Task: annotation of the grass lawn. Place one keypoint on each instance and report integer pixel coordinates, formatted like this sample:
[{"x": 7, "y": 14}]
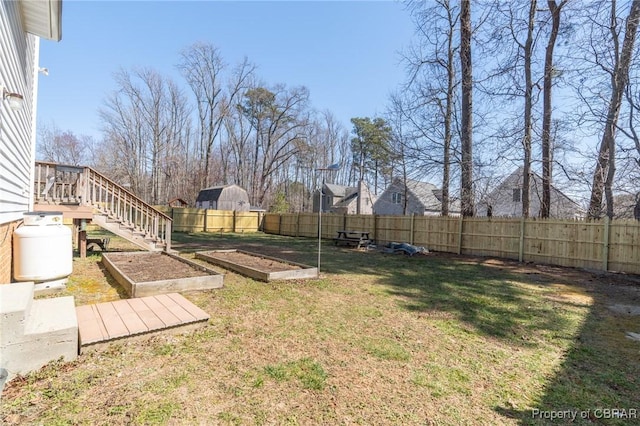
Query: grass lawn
[{"x": 377, "y": 339}]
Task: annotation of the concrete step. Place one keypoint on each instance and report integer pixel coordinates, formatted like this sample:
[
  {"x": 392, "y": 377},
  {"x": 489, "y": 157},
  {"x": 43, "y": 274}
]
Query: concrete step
[
  {"x": 15, "y": 302},
  {"x": 35, "y": 332},
  {"x": 51, "y": 316}
]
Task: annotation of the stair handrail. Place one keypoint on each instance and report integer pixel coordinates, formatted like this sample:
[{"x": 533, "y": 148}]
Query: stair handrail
[{"x": 104, "y": 194}]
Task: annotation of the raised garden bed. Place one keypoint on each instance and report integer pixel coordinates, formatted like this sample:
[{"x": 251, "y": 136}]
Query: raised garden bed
[
  {"x": 151, "y": 273},
  {"x": 258, "y": 266}
]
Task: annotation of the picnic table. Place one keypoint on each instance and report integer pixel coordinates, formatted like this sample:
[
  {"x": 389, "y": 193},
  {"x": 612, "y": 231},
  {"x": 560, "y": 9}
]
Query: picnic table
[{"x": 355, "y": 238}]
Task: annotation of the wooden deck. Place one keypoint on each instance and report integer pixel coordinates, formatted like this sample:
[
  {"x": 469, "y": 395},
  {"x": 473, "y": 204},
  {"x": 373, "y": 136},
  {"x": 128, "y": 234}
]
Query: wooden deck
[{"x": 129, "y": 317}]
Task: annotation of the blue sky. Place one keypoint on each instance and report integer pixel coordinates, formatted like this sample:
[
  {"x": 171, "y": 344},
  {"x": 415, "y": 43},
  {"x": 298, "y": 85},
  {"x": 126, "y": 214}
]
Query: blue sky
[{"x": 345, "y": 52}]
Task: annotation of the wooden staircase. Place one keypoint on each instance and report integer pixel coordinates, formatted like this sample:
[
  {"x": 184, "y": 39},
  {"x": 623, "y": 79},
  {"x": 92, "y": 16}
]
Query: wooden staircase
[{"x": 83, "y": 193}]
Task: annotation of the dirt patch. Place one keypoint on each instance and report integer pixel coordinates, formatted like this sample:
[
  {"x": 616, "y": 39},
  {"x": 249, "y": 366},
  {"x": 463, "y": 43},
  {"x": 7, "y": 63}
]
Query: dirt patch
[
  {"x": 625, "y": 309},
  {"x": 255, "y": 262},
  {"x": 153, "y": 267}
]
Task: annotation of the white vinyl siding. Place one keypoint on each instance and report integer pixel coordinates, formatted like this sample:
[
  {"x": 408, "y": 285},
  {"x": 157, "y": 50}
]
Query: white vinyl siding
[{"x": 17, "y": 128}]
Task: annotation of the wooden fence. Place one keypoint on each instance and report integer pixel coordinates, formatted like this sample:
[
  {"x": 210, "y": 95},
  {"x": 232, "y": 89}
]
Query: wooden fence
[
  {"x": 206, "y": 220},
  {"x": 604, "y": 245}
]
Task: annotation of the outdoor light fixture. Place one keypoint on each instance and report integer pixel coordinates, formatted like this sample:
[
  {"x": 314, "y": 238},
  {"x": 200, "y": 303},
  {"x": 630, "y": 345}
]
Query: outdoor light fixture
[{"x": 16, "y": 100}]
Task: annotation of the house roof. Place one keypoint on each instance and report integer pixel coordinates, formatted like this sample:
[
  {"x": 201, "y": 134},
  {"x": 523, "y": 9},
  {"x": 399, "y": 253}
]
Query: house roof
[
  {"x": 42, "y": 18},
  {"x": 350, "y": 196},
  {"x": 178, "y": 200},
  {"x": 515, "y": 179},
  {"x": 505, "y": 199},
  {"x": 337, "y": 190},
  {"x": 429, "y": 195}
]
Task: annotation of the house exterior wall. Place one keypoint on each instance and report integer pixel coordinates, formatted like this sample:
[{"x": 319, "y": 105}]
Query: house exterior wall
[
  {"x": 386, "y": 205},
  {"x": 329, "y": 199},
  {"x": 6, "y": 259},
  {"x": 18, "y": 73},
  {"x": 506, "y": 203}
]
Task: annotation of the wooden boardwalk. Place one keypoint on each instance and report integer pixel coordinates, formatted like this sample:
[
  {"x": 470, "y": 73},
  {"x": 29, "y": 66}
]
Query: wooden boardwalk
[{"x": 128, "y": 317}]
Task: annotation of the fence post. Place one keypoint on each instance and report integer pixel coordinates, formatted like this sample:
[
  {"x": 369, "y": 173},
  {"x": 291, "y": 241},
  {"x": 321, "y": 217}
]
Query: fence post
[
  {"x": 235, "y": 217},
  {"x": 297, "y": 224},
  {"x": 413, "y": 218},
  {"x": 375, "y": 227},
  {"x": 460, "y": 223},
  {"x": 605, "y": 245},
  {"x": 206, "y": 215},
  {"x": 279, "y": 223},
  {"x": 521, "y": 244}
]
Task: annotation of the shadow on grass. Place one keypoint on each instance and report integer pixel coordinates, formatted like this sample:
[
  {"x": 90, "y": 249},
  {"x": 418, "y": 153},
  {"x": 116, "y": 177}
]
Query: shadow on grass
[
  {"x": 599, "y": 376},
  {"x": 598, "y": 380},
  {"x": 481, "y": 297}
]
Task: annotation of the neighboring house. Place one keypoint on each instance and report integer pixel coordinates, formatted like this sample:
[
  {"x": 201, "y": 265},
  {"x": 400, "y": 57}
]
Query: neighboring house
[
  {"x": 22, "y": 23},
  {"x": 349, "y": 203},
  {"x": 506, "y": 199},
  {"x": 344, "y": 199},
  {"x": 331, "y": 194},
  {"x": 626, "y": 206},
  {"x": 226, "y": 197},
  {"x": 420, "y": 198}
]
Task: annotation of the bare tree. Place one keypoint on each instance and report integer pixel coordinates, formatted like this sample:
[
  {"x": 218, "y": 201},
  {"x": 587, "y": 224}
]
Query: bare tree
[
  {"x": 202, "y": 66},
  {"x": 605, "y": 166},
  {"x": 528, "y": 108},
  {"x": 466, "y": 136},
  {"x": 63, "y": 147},
  {"x": 428, "y": 100},
  {"x": 141, "y": 121},
  {"x": 513, "y": 43},
  {"x": 549, "y": 74},
  {"x": 278, "y": 119}
]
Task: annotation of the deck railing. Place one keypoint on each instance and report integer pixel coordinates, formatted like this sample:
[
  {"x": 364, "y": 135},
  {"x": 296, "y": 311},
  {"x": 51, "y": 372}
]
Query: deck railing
[
  {"x": 63, "y": 184},
  {"x": 57, "y": 183}
]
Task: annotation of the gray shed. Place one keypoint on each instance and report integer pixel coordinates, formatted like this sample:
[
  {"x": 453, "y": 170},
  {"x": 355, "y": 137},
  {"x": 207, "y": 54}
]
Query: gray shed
[{"x": 227, "y": 197}]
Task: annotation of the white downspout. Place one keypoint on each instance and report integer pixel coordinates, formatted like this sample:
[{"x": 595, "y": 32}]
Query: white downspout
[{"x": 34, "y": 109}]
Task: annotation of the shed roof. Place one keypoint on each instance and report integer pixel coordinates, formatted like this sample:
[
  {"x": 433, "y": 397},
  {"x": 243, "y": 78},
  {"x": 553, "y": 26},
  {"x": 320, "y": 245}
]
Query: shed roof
[
  {"x": 210, "y": 193},
  {"x": 214, "y": 192}
]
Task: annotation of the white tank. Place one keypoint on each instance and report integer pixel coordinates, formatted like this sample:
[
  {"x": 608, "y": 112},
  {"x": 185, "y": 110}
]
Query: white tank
[{"x": 42, "y": 248}]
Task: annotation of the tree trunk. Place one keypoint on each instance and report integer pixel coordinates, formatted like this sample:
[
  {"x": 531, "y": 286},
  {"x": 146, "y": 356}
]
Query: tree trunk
[
  {"x": 528, "y": 107},
  {"x": 446, "y": 157},
  {"x": 466, "y": 109},
  {"x": 547, "y": 172},
  {"x": 605, "y": 168}
]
